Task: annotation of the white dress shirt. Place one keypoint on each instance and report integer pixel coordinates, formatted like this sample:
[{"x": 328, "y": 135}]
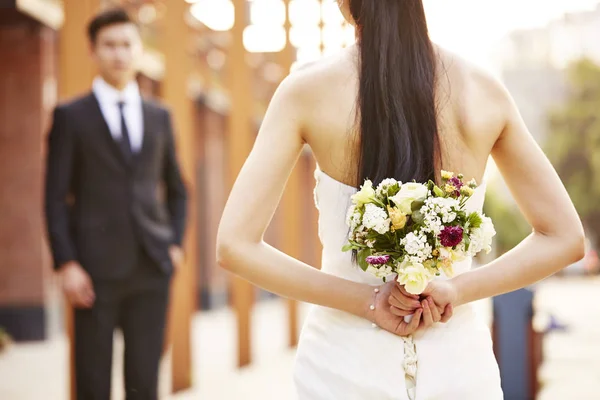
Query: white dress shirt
[{"x": 109, "y": 98}]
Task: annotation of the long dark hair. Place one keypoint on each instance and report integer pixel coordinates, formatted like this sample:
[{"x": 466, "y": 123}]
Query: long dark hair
[{"x": 396, "y": 112}]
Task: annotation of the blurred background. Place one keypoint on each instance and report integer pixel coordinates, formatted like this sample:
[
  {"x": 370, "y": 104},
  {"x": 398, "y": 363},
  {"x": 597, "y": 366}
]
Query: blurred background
[{"x": 216, "y": 64}]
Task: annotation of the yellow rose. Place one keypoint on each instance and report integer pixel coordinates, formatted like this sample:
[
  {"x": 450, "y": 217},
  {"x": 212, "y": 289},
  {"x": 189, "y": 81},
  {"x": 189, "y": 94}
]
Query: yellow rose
[
  {"x": 449, "y": 188},
  {"x": 447, "y": 175},
  {"x": 365, "y": 195},
  {"x": 446, "y": 266},
  {"x": 431, "y": 266},
  {"x": 414, "y": 277},
  {"x": 397, "y": 217},
  {"x": 449, "y": 254},
  {"x": 466, "y": 191}
]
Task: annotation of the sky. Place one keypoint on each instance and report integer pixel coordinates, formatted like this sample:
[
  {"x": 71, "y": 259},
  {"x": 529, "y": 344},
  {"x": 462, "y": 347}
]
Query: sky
[{"x": 473, "y": 27}]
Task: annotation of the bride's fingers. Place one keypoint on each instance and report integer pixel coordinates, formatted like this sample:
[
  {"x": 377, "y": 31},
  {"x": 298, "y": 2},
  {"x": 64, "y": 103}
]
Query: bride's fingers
[
  {"x": 403, "y": 301},
  {"x": 435, "y": 313},
  {"x": 413, "y": 325},
  {"x": 448, "y": 312},
  {"x": 399, "y": 312},
  {"x": 427, "y": 317},
  {"x": 403, "y": 305}
]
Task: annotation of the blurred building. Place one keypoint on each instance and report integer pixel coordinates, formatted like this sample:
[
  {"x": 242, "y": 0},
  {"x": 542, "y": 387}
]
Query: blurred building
[{"x": 533, "y": 63}]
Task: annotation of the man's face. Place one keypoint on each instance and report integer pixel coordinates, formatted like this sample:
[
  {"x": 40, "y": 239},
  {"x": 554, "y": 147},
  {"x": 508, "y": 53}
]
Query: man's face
[{"x": 116, "y": 52}]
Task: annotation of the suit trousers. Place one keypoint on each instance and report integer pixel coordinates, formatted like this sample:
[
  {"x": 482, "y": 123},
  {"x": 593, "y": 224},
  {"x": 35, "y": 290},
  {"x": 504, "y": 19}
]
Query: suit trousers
[{"x": 137, "y": 305}]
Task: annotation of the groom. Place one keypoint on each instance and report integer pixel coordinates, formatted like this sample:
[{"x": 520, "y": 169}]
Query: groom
[{"x": 115, "y": 210}]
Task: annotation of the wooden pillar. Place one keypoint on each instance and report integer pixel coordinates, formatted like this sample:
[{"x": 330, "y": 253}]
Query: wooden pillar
[
  {"x": 76, "y": 67},
  {"x": 175, "y": 40},
  {"x": 291, "y": 202},
  {"x": 239, "y": 143},
  {"x": 76, "y": 72}
]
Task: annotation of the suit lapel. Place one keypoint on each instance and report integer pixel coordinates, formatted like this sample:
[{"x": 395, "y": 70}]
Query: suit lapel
[{"x": 99, "y": 121}]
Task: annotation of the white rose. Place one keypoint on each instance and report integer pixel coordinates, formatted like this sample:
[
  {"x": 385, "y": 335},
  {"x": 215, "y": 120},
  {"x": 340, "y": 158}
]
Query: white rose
[
  {"x": 409, "y": 192},
  {"x": 414, "y": 277}
]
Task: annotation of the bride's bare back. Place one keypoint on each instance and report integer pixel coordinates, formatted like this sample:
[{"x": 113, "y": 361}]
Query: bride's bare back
[{"x": 469, "y": 118}]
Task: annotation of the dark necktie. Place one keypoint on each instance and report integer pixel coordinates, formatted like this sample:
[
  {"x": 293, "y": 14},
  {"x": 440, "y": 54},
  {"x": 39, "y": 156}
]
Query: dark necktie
[{"x": 125, "y": 143}]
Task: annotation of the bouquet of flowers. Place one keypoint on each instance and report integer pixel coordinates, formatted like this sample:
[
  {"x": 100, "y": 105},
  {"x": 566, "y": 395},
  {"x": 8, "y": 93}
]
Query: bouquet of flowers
[{"x": 414, "y": 230}]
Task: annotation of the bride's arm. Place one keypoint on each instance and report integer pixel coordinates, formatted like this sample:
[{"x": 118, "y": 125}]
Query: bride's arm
[
  {"x": 252, "y": 203},
  {"x": 557, "y": 239}
]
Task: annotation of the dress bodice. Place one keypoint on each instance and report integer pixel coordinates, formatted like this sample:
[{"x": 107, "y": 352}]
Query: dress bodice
[{"x": 332, "y": 199}]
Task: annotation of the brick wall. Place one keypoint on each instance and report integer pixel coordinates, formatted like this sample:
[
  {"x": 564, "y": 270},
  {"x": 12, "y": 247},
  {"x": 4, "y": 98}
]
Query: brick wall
[{"x": 27, "y": 94}]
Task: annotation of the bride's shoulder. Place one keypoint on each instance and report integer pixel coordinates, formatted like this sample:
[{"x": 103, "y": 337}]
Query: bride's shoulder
[
  {"x": 313, "y": 84},
  {"x": 480, "y": 100}
]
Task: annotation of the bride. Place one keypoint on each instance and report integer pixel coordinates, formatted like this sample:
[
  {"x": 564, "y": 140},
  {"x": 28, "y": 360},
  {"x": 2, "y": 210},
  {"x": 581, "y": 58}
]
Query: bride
[{"x": 394, "y": 105}]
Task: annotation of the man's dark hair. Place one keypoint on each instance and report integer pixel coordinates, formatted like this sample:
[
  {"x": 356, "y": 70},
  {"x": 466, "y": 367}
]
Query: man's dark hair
[{"x": 107, "y": 18}]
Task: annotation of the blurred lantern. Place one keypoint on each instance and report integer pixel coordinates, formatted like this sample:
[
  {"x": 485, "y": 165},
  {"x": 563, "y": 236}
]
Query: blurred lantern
[
  {"x": 331, "y": 13},
  {"x": 264, "y": 39},
  {"x": 317, "y": 26},
  {"x": 266, "y": 32},
  {"x": 218, "y": 15},
  {"x": 267, "y": 12},
  {"x": 305, "y": 12}
]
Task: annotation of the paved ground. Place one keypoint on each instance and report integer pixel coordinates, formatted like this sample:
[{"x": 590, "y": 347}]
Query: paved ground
[
  {"x": 571, "y": 369},
  {"x": 572, "y": 359}
]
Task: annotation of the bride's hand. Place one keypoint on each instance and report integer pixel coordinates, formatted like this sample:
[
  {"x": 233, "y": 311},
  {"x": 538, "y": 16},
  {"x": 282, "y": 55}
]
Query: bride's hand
[
  {"x": 403, "y": 303},
  {"x": 444, "y": 295},
  {"x": 383, "y": 317},
  {"x": 432, "y": 313}
]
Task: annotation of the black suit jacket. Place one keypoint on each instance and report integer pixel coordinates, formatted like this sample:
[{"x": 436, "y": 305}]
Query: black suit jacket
[{"x": 100, "y": 206}]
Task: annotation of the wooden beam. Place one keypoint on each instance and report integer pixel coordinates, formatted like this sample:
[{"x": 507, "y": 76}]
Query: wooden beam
[
  {"x": 239, "y": 143},
  {"x": 291, "y": 201},
  {"x": 175, "y": 35},
  {"x": 76, "y": 72},
  {"x": 49, "y": 13}
]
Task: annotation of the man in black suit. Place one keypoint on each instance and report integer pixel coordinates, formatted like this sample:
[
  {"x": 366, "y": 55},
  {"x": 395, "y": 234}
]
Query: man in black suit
[{"x": 115, "y": 209}]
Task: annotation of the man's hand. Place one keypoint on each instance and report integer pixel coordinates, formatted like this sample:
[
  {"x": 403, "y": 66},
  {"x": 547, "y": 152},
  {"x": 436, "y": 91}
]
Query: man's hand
[
  {"x": 77, "y": 285},
  {"x": 176, "y": 254}
]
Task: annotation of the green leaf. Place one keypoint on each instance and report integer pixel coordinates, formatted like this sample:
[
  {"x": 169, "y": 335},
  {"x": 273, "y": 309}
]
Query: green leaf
[
  {"x": 416, "y": 205},
  {"x": 347, "y": 247},
  {"x": 362, "y": 258},
  {"x": 438, "y": 191}
]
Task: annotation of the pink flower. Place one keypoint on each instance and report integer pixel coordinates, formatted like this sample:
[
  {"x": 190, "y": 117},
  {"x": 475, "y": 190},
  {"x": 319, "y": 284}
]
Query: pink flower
[
  {"x": 457, "y": 183},
  {"x": 378, "y": 260},
  {"x": 451, "y": 236}
]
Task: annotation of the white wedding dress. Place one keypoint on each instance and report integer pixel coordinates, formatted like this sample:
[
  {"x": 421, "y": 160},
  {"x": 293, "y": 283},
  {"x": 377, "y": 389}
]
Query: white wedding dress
[{"x": 343, "y": 357}]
